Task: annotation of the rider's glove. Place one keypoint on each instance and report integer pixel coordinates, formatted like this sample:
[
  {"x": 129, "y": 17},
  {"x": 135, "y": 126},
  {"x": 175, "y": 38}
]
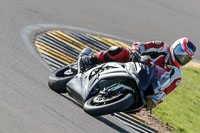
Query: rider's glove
[
  {"x": 137, "y": 51},
  {"x": 88, "y": 60},
  {"x": 85, "y": 61},
  {"x": 138, "y": 48}
]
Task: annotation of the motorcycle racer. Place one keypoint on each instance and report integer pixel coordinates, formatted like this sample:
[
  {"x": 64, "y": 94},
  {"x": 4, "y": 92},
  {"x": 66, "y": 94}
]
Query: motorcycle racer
[{"x": 170, "y": 59}]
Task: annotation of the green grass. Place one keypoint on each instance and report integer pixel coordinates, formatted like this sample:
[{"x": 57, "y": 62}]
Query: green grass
[{"x": 181, "y": 108}]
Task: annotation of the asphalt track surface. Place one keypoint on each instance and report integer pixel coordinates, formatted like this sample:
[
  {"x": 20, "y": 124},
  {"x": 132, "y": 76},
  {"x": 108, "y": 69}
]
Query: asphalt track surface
[{"x": 26, "y": 102}]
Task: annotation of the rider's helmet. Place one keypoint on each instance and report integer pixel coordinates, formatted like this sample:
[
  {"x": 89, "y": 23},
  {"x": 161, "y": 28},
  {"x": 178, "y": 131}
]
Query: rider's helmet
[{"x": 182, "y": 51}]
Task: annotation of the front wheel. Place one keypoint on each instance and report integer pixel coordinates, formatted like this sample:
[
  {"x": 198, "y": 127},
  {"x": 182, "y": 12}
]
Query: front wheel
[
  {"x": 58, "y": 80},
  {"x": 93, "y": 106}
]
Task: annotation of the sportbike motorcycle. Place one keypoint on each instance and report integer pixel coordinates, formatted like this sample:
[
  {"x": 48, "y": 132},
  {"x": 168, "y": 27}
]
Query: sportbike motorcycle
[{"x": 106, "y": 88}]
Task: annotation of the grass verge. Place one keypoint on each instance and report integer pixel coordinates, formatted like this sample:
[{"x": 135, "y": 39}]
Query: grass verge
[{"x": 181, "y": 109}]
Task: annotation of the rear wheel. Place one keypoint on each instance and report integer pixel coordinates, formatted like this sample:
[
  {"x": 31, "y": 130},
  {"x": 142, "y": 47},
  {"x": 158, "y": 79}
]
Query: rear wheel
[
  {"x": 97, "y": 105},
  {"x": 58, "y": 80}
]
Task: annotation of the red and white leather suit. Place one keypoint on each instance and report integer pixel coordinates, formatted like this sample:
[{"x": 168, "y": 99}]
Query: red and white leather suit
[{"x": 154, "y": 52}]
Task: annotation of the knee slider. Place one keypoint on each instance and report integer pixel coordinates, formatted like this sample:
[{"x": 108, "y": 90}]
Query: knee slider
[{"x": 114, "y": 50}]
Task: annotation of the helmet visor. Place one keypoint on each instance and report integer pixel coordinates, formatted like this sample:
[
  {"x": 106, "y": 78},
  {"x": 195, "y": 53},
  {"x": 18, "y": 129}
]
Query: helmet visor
[{"x": 181, "y": 56}]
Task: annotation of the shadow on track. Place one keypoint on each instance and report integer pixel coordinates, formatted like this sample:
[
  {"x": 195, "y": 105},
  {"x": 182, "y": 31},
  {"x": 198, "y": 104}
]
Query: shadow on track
[
  {"x": 100, "y": 118},
  {"x": 111, "y": 124}
]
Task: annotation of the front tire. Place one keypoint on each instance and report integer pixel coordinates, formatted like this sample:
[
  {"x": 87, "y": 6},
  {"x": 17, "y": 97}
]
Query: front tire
[
  {"x": 116, "y": 106},
  {"x": 58, "y": 80}
]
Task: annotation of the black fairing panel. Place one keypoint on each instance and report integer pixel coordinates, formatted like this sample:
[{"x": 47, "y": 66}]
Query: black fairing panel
[
  {"x": 145, "y": 75},
  {"x": 142, "y": 74}
]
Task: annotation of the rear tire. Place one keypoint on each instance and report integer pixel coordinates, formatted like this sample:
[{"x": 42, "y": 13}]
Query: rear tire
[
  {"x": 109, "y": 108},
  {"x": 58, "y": 80}
]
